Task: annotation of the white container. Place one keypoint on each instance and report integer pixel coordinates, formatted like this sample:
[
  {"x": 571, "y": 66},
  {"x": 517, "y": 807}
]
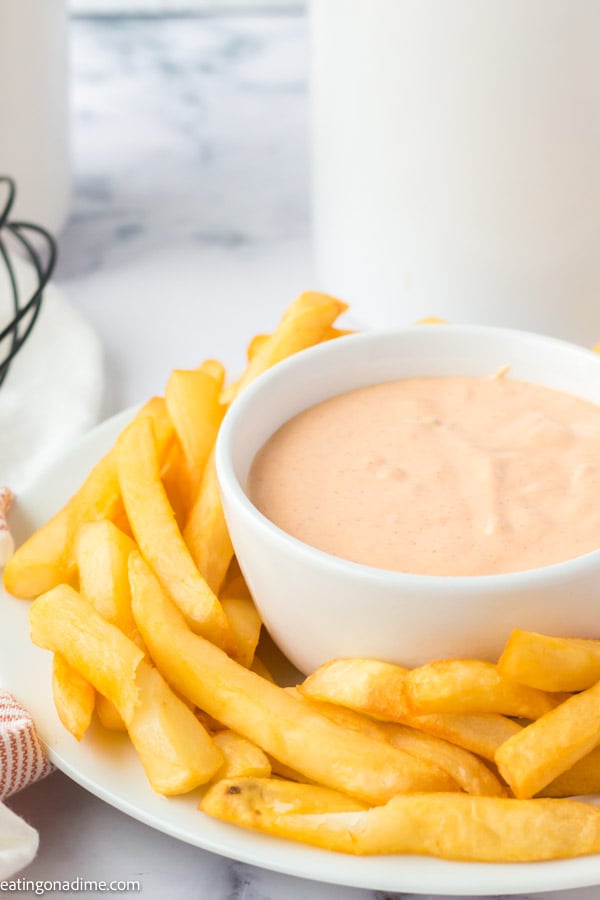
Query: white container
[
  {"x": 457, "y": 161},
  {"x": 317, "y": 606},
  {"x": 33, "y": 108}
]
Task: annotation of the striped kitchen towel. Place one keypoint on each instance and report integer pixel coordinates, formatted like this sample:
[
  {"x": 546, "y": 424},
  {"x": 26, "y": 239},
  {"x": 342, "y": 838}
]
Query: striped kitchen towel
[
  {"x": 22, "y": 761},
  {"x": 22, "y": 757}
]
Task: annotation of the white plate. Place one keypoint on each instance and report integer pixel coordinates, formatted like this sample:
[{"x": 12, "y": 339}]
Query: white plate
[{"x": 106, "y": 765}]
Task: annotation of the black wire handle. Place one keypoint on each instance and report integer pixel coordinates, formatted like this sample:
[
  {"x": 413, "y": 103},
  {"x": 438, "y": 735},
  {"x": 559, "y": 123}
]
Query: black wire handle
[{"x": 41, "y": 254}]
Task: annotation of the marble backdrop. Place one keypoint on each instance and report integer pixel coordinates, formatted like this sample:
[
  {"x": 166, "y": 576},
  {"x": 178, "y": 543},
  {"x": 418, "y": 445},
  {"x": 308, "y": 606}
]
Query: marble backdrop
[{"x": 190, "y": 201}]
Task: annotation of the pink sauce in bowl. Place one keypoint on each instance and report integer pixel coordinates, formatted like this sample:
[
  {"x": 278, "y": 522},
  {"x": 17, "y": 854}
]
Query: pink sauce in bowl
[{"x": 438, "y": 476}]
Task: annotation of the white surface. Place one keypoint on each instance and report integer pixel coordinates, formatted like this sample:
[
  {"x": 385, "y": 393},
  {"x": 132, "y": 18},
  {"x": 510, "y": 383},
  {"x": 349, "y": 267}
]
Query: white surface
[
  {"x": 53, "y": 390},
  {"x": 189, "y": 232},
  {"x": 106, "y": 763},
  {"x": 457, "y": 150}
]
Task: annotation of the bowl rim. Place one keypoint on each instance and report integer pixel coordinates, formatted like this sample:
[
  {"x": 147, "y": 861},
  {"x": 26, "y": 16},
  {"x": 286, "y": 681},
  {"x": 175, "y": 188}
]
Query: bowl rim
[{"x": 230, "y": 484}]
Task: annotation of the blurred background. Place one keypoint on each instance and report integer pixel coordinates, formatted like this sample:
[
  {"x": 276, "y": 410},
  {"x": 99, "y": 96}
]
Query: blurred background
[
  {"x": 443, "y": 161},
  {"x": 176, "y": 176}
]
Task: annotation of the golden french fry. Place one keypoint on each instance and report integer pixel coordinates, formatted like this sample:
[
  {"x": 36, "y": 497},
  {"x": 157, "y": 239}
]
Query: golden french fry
[
  {"x": 550, "y": 663},
  {"x": 206, "y": 534},
  {"x": 262, "y": 712},
  {"x": 61, "y": 620},
  {"x": 344, "y": 716},
  {"x": 481, "y": 733},
  {"x": 431, "y": 320},
  {"x": 192, "y": 398},
  {"x": 366, "y": 685},
  {"x": 468, "y": 771},
  {"x": 332, "y": 333},
  {"x": 473, "y": 686},
  {"x": 243, "y": 617},
  {"x": 259, "y": 340},
  {"x": 582, "y": 778},
  {"x": 548, "y": 747},
  {"x": 47, "y": 558},
  {"x": 244, "y": 801},
  {"x": 74, "y": 697},
  {"x": 174, "y": 749},
  {"x": 451, "y": 826},
  {"x": 306, "y": 322},
  {"x": 102, "y": 552},
  {"x": 256, "y": 344},
  {"x": 376, "y": 689},
  {"x": 177, "y": 753},
  {"x": 108, "y": 715},
  {"x": 174, "y": 475},
  {"x": 241, "y": 757},
  {"x": 282, "y": 771},
  {"x": 158, "y": 536}
]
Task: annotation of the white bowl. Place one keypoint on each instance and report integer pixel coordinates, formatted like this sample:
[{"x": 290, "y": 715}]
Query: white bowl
[{"x": 317, "y": 606}]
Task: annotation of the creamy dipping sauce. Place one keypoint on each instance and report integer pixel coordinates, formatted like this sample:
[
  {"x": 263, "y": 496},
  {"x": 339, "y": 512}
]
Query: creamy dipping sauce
[{"x": 438, "y": 476}]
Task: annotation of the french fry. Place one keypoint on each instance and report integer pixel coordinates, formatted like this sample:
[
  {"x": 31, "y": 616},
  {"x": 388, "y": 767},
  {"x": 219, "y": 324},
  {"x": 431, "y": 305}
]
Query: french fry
[
  {"x": 47, "y": 558},
  {"x": 158, "y": 537},
  {"x": 244, "y": 801},
  {"x": 582, "y": 778},
  {"x": 74, "y": 697},
  {"x": 365, "y": 685},
  {"x": 241, "y": 757},
  {"x": 344, "y": 716},
  {"x": 376, "y": 689},
  {"x": 451, "y": 826},
  {"x": 260, "y": 340},
  {"x": 550, "y": 663},
  {"x": 306, "y": 321},
  {"x": 473, "y": 686},
  {"x": 282, "y": 771},
  {"x": 206, "y": 533},
  {"x": 175, "y": 750},
  {"x": 262, "y": 712},
  {"x": 61, "y": 620},
  {"x": 108, "y": 715},
  {"x": 468, "y": 771},
  {"x": 553, "y": 744},
  {"x": 102, "y": 552},
  {"x": 481, "y": 733},
  {"x": 192, "y": 398},
  {"x": 173, "y": 475},
  {"x": 243, "y": 617}
]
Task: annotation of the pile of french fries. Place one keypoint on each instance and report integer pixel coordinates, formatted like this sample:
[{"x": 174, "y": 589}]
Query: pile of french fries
[{"x": 138, "y": 595}]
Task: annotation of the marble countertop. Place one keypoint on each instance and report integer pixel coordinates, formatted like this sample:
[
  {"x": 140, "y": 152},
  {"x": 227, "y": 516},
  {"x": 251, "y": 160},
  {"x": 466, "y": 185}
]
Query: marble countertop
[{"x": 189, "y": 232}]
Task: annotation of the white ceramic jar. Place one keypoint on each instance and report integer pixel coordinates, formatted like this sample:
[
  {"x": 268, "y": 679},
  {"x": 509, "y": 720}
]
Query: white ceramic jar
[
  {"x": 33, "y": 108},
  {"x": 457, "y": 160}
]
